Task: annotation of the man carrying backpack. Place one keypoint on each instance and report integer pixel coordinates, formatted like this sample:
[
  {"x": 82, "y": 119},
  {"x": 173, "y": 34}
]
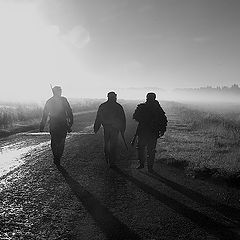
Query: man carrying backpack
[
  {"x": 60, "y": 113},
  {"x": 152, "y": 123}
]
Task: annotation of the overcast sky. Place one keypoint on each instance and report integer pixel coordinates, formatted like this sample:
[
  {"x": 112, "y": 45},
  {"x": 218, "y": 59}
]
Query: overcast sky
[{"x": 100, "y": 45}]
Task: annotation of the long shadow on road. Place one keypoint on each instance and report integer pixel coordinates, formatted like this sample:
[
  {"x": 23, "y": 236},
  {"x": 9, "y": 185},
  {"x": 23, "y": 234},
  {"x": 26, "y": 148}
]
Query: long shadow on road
[
  {"x": 110, "y": 225},
  {"x": 211, "y": 226},
  {"x": 227, "y": 211}
]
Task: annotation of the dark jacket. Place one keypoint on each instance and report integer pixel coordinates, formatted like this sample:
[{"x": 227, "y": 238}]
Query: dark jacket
[
  {"x": 59, "y": 112},
  {"x": 151, "y": 118},
  {"x": 110, "y": 114}
]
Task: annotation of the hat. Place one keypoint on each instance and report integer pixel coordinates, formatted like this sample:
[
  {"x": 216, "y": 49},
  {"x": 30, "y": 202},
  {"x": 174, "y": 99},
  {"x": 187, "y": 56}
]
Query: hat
[
  {"x": 111, "y": 95},
  {"x": 151, "y": 96}
]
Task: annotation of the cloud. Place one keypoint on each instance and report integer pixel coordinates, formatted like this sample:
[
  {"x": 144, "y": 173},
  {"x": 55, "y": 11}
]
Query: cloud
[
  {"x": 77, "y": 36},
  {"x": 201, "y": 39}
]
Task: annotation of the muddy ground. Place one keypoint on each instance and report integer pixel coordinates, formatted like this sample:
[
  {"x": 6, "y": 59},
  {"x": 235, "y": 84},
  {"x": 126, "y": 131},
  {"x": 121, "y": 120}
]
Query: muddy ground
[{"x": 84, "y": 199}]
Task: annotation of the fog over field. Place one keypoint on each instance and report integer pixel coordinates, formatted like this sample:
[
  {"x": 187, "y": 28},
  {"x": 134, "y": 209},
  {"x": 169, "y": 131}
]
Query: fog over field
[
  {"x": 62, "y": 177},
  {"x": 131, "y": 47}
]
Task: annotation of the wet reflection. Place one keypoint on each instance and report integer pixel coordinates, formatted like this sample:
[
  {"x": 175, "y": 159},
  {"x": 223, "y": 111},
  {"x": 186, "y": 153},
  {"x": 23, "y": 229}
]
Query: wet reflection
[
  {"x": 13, "y": 151},
  {"x": 47, "y": 133},
  {"x": 12, "y": 156}
]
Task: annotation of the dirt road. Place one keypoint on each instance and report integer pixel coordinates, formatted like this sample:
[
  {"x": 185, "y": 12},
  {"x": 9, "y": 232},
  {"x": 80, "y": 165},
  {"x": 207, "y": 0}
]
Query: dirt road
[{"x": 84, "y": 199}]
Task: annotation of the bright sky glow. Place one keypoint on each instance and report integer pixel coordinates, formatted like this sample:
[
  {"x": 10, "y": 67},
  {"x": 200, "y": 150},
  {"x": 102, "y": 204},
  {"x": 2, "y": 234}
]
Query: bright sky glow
[
  {"x": 33, "y": 55},
  {"x": 130, "y": 46}
]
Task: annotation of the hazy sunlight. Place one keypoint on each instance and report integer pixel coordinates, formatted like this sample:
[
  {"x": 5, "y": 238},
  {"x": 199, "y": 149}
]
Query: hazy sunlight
[{"x": 32, "y": 54}]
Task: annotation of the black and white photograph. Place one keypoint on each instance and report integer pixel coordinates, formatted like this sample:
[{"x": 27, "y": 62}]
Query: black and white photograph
[{"x": 119, "y": 119}]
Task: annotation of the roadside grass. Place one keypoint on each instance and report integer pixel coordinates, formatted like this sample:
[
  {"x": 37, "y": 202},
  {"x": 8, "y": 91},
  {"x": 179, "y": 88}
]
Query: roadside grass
[
  {"x": 205, "y": 144},
  {"x": 17, "y": 114},
  {"x": 15, "y": 118},
  {"x": 82, "y": 121},
  {"x": 21, "y": 117}
]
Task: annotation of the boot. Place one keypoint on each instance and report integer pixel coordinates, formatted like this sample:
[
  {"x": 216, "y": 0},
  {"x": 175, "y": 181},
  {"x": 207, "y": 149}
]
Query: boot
[{"x": 56, "y": 161}]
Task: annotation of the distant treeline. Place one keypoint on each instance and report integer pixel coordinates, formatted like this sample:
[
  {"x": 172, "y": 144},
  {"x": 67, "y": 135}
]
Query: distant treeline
[
  {"x": 234, "y": 89},
  {"x": 214, "y": 94}
]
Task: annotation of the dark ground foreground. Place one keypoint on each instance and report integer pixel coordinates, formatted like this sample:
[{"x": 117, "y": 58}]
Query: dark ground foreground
[{"x": 84, "y": 199}]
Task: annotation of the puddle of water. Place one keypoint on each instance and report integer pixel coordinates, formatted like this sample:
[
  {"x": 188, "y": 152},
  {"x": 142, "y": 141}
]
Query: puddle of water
[
  {"x": 12, "y": 154},
  {"x": 47, "y": 133},
  {"x": 11, "y": 157}
]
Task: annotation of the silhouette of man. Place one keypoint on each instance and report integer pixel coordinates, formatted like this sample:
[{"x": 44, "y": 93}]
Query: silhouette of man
[
  {"x": 151, "y": 125},
  {"x": 111, "y": 116},
  {"x": 60, "y": 113}
]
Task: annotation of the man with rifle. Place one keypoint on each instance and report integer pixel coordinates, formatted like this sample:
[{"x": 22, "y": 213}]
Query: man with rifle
[
  {"x": 111, "y": 116},
  {"x": 60, "y": 113},
  {"x": 152, "y": 123}
]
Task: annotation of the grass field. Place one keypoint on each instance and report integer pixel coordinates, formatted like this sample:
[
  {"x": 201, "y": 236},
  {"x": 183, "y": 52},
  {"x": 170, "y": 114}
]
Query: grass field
[
  {"x": 18, "y": 117},
  {"x": 204, "y": 142}
]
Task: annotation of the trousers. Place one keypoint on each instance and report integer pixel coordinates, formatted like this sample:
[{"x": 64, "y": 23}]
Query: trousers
[
  {"x": 110, "y": 144},
  {"x": 147, "y": 142},
  {"x": 58, "y": 136}
]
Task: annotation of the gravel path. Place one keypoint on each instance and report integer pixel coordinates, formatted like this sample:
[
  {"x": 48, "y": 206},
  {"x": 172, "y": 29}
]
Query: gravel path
[{"x": 84, "y": 199}]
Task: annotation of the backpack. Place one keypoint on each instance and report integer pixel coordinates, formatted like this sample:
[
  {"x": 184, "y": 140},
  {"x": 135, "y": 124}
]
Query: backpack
[
  {"x": 162, "y": 124},
  {"x": 152, "y": 116}
]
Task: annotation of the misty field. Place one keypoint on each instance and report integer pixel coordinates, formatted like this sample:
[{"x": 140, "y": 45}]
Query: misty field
[
  {"x": 204, "y": 140},
  {"x": 18, "y": 117}
]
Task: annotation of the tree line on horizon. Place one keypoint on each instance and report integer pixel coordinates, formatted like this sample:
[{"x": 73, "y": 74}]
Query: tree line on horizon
[{"x": 232, "y": 89}]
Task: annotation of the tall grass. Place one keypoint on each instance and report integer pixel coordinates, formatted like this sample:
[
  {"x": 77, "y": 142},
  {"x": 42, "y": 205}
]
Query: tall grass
[
  {"x": 222, "y": 125},
  {"x": 25, "y": 113},
  {"x": 210, "y": 141},
  {"x": 18, "y": 113}
]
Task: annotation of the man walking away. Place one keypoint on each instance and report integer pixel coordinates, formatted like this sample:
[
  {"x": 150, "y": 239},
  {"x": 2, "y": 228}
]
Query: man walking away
[
  {"x": 111, "y": 116},
  {"x": 152, "y": 123},
  {"x": 60, "y": 116}
]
